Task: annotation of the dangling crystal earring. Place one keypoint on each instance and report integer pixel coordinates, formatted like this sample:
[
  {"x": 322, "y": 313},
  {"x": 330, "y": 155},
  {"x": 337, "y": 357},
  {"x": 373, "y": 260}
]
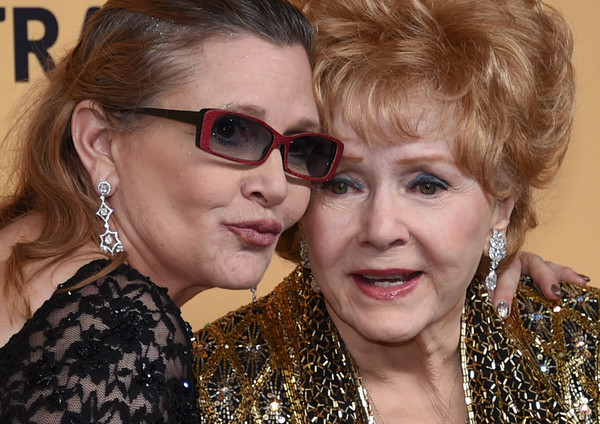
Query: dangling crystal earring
[
  {"x": 305, "y": 262},
  {"x": 109, "y": 240},
  {"x": 254, "y": 294},
  {"x": 497, "y": 253}
]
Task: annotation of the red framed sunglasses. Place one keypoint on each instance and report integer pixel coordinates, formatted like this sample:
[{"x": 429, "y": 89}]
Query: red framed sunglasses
[{"x": 244, "y": 139}]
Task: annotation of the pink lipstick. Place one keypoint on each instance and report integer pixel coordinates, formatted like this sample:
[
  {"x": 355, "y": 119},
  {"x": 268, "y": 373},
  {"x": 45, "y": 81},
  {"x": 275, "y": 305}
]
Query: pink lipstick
[{"x": 386, "y": 284}]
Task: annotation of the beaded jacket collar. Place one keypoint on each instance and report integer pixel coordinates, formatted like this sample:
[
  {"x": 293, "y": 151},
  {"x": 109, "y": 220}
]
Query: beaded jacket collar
[{"x": 281, "y": 360}]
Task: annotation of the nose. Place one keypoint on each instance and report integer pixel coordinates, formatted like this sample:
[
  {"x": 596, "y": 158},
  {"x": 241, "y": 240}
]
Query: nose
[
  {"x": 382, "y": 225},
  {"x": 267, "y": 183}
]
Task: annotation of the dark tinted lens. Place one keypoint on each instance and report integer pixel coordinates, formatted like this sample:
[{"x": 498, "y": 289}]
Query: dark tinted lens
[
  {"x": 238, "y": 137},
  {"x": 311, "y": 155}
]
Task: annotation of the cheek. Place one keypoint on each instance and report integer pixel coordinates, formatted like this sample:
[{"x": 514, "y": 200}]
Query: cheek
[
  {"x": 462, "y": 231},
  {"x": 459, "y": 235},
  {"x": 475, "y": 222},
  {"x": 154, "y": 166},
  {"x": 295, "y": 203},
  {"x": 328, "y": 232},
  {"x": 207, "y": 184}
]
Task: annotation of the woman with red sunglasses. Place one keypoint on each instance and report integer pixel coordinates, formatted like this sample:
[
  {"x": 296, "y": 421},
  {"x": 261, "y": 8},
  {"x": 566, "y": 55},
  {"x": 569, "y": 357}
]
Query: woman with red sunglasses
[
  {"x": 165, "y": 155},
  {"x": 120, "y": 212}
]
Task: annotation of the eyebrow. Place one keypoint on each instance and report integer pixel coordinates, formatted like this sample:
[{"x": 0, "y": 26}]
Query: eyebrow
[
  {"x": 405, "y": 161},
  {"x": 302, "y": 126},
  {"x": 420, "y": 159},
  {"x": 353, "y": 159}
]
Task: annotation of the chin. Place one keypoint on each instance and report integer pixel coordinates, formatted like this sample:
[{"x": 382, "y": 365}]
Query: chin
[
  {"x": 385, "y": 335},
  {"x": 243, "y": 280}
]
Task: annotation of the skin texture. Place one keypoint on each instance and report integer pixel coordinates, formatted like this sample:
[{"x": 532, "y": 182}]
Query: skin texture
[
  {"x": 183, "y": 213},
  {"x": 174, "y": 202},
  {"x": 401, "y": 210}
]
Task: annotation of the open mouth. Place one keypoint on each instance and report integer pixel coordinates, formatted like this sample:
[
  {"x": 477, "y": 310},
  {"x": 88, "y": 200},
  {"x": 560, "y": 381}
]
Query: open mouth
[{"x": 384, "y": 281}]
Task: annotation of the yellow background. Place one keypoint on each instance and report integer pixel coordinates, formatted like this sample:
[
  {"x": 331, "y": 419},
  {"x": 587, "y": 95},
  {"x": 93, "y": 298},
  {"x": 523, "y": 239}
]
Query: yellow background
[{"x": 569, "y": 229}]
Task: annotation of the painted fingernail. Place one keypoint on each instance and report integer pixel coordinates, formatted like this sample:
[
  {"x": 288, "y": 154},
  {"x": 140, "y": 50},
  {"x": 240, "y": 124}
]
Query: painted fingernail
[
  {"x": 555, "y": 288},
  {"x": 503, "y": 310},
  {"x": 585, "y": 277}
]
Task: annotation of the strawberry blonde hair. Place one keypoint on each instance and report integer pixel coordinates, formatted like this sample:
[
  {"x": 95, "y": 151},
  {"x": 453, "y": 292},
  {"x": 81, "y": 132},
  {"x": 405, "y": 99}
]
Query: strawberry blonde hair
[{"x": 501, "y": 67}]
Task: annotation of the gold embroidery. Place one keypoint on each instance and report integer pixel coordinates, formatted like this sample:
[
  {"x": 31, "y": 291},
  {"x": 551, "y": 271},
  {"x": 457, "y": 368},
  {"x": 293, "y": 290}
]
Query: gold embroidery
[{"x": 280, "y": 360}]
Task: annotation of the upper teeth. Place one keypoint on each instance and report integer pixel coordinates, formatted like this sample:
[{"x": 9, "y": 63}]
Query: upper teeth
[{"x": 387, "y": 281}]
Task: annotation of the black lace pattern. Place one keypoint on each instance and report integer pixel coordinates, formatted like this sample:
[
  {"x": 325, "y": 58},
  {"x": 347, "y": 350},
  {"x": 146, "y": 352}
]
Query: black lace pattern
[{"x": 114, "y": 351}]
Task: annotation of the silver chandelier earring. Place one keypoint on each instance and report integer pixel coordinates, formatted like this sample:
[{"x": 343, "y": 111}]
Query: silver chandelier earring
[
  {"x": 305, "y": 262},
  {"x": 109, "y": 240},
  {"x": 254, "y": 294},
  {"x": 497, "y": 253}
]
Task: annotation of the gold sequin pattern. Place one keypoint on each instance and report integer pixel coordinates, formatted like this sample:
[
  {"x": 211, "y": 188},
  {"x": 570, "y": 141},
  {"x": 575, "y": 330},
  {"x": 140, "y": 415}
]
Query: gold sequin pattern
[{"x": 280, "y": 360}]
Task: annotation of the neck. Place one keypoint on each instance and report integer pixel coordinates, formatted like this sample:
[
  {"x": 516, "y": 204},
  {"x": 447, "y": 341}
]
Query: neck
[
  {"x": 425, "y": 356},
  {"x": 407, "y": 378},
  {"x": 181, "y": 288},
  {"x": 435, "y": 395}
]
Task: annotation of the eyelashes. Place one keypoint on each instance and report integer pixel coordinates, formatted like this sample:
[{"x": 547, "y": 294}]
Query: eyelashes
[
  {"x": 427, "y": 184},
  {"x": 341, "y": 185},
  {"x": 424, "y": 183}
]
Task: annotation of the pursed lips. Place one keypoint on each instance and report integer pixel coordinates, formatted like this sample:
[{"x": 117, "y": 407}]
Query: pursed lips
[{"x": 261, "y": 233}]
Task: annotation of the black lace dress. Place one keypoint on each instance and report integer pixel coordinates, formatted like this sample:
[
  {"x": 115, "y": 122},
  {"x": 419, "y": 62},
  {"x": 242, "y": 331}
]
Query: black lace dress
[{"x": 114, "y": 351}]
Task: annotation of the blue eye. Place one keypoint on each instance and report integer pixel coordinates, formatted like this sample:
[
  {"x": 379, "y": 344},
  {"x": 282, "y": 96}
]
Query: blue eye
[{"x": 427, "y": 184}]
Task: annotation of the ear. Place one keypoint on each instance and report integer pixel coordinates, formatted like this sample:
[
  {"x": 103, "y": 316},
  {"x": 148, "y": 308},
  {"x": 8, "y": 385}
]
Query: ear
[
  {"x": 504, "y": 208},
  {"x": 92, "y": 141},
  {"x": 501, "y": 218}
]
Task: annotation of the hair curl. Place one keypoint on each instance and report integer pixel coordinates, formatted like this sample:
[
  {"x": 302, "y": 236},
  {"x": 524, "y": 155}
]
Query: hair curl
[{"x": 503, "y": 67}]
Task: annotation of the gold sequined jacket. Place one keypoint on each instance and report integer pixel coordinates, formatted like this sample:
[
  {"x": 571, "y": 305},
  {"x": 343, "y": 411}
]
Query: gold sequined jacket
[{"x": 281, "y": 360}]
